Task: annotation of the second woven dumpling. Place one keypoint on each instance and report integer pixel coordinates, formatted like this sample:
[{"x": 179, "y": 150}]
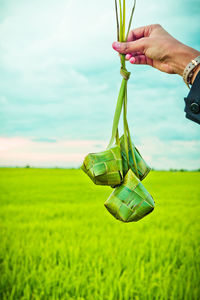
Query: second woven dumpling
[
  {"x": 130, "y": 201},
  {"x": 143, "y": 168}
]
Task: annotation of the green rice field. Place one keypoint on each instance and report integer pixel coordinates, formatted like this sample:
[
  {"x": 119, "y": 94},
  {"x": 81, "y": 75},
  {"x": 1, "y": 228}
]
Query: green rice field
[{"x": 57, "y": 240}]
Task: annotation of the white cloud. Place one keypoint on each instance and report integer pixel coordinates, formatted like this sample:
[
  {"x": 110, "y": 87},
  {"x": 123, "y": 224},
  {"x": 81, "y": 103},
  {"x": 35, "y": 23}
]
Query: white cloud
[
  {"x": 59, "y": 77},
  {"x": 174, "y": 154},
  {"x": 35, "y": 33},
  {"x": 63, "y": 153},
  {"x": 70, "y": 153}
]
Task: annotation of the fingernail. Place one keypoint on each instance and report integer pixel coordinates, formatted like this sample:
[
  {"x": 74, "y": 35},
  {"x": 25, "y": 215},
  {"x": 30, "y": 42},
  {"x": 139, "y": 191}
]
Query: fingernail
[
  {"x": 116, "y": 46},
  {"x": 128, "y": 56},
  {"x": 132, "y": 60}
]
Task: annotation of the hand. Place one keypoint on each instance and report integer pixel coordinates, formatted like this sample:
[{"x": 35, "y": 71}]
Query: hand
[{"x": 154, "y": 46}]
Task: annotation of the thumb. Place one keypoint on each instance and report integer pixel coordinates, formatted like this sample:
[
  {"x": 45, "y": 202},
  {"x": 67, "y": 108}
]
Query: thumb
[{"x": 130, "y": 47}]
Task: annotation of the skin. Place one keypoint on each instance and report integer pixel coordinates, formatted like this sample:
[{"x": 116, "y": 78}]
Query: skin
[{"x": 152, "y": 45}]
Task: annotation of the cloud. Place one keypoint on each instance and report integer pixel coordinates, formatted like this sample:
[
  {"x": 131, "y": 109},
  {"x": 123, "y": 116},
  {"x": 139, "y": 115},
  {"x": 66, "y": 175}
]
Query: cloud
[
  {"x": 60, "y": 77},
  {"x": 158, "y": 153},
  {"x": 171, "y": 154},
  {"x": 19, "y": 151}
]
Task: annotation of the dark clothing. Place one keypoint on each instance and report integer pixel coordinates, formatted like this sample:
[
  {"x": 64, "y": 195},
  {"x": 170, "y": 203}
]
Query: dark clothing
[{"x": 192, "y": 102}]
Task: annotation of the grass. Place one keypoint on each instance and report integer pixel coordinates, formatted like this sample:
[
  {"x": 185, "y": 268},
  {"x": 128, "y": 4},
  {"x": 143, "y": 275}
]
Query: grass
[{"x": 59, "y": 242}]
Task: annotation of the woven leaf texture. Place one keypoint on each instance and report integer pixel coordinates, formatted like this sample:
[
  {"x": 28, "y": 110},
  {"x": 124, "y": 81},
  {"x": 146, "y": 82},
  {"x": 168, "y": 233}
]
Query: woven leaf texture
[
  {"x": 130, "y": 201},
  {"x": 104, "y": 168},
  {"x": 143, "y": 168}
]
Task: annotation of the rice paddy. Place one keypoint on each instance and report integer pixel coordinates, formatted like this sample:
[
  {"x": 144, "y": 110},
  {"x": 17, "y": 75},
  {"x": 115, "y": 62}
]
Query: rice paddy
[{"x": 59, "y": 242}]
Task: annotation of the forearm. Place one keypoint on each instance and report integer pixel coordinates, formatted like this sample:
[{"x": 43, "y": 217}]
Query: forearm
[{"x": 182, "y": 55}]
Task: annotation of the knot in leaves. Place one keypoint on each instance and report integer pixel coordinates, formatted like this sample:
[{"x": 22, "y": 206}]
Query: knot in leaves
[{"x": 125, "y": 74}]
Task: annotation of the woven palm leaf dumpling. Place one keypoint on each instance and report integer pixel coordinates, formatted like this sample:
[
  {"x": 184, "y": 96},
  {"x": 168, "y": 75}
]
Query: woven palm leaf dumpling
[
  {"x": 104, "y": 168},
  {"x": 143, "y": 168},
  {"x": 121, "y": 166},
  {"x": 130, "y": 201}
]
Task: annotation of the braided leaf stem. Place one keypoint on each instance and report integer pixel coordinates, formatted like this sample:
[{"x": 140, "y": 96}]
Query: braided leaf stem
[{"x": 122, "y": 97}]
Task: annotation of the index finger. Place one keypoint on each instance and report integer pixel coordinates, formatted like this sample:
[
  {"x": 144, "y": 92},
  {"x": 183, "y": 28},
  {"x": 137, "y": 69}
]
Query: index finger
[
  {"x": 135, "y": 34},
  {"x": 139, "y": 33}
]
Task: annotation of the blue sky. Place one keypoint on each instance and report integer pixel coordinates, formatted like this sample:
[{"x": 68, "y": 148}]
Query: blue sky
[{"x": 60, "y": 79}]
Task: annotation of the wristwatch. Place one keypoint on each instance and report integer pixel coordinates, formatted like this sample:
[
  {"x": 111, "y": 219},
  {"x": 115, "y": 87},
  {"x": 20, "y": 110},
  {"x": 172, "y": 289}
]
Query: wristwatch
[{"x": 192, "y": 101}]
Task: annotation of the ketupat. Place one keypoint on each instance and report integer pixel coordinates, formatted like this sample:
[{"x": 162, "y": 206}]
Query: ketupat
[
  {"x": 143, "y": 168},
  {"x": 130, "y": 201},
  {"x": 104, "y": 168},
  {"x": 121, "y": 166},
  {"x": 109, "y": 173}
]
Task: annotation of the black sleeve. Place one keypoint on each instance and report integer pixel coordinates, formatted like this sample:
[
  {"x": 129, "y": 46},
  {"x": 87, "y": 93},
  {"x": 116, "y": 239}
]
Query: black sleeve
[{"x": 192, "y": 102}]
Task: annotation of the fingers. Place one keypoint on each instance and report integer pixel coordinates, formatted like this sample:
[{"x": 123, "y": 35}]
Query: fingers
[
  {"x": 130, "y": 47},
  {"x": 129, "y": 55},
  {"x": 139, "y": 59},
  {"x": 136, "y": 34},
  {"x": 138, "y": 39},
  {"x": 141, "y": 32}
]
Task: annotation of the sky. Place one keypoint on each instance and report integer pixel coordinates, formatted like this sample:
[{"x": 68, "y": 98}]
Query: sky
[{"x": 59, "y": 82}]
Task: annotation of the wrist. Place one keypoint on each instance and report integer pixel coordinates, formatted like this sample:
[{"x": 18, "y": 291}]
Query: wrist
[
  {"x": 195, "y": 74},
  {"x": 183, "y": 55}
]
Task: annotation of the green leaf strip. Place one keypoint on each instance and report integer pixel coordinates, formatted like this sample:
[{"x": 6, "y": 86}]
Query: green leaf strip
[
  {"x": 117, "y": 19},
  {"x": 126, "y": 126},
  {"x": 117, "y": 112},
  {"x": 129, "y": 137},
  {"x": 125, "y": 74},
  {"x": 124, "y": 20},
  {"x": 121, "y": 22},
  {"x": 131, "y": 19}
]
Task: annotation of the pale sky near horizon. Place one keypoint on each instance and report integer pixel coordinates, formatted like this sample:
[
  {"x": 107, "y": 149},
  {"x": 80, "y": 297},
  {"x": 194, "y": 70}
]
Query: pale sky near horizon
[{"x": 59, "y": 80}]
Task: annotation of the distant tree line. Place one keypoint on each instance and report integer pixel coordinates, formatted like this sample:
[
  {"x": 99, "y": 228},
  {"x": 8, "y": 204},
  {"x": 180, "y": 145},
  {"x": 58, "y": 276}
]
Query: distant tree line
[{"x": 153, "y": 169}]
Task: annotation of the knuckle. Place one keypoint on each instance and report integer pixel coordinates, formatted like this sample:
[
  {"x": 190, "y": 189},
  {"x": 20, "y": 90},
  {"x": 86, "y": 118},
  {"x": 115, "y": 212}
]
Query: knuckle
[
  {"x": 151, "y": 28},
  {"x": 125, "y": 47},
  {"x": 156, "y": 26}
]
